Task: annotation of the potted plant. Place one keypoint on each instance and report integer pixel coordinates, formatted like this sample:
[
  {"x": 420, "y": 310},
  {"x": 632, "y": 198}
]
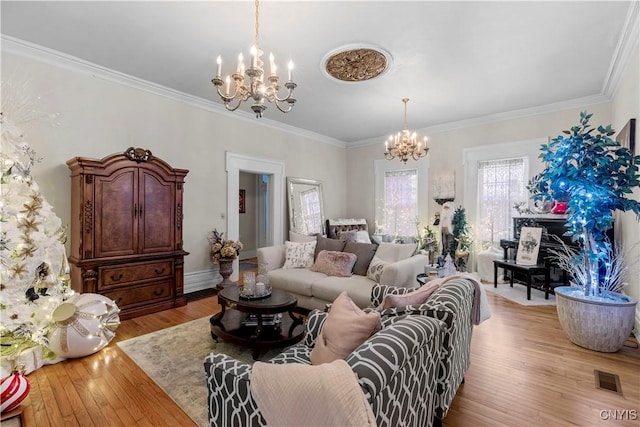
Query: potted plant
[{"x": 594, "y": 175}]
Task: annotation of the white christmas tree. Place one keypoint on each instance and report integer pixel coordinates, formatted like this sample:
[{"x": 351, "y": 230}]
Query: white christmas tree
[{"x": 34, "y": 275}]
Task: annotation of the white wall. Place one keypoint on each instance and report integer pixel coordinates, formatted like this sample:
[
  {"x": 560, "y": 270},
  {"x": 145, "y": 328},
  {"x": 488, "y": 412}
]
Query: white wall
[
  {"x": 97, "y": 117},
  {"x": 626, "y": 105}
]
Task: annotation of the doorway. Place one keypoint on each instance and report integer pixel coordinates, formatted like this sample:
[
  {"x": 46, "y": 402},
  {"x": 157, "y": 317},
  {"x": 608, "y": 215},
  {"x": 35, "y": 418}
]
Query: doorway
[
  {"x": 272, "y": 172},
  {"x": 254, "y": 221}
]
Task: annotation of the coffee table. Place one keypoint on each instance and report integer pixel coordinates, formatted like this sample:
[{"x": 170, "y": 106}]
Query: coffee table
[{"x": 260, "y": 323}]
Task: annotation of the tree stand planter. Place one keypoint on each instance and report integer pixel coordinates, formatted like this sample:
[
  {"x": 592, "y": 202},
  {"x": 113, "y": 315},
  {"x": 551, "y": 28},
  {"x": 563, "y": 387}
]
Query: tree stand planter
[{"x": 601, "y": 325}]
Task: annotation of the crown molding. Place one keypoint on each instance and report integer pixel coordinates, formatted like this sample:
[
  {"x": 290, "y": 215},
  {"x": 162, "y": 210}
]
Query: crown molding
[
  {"x": 59, "y": 59},
  {"x": 499, "y": 117},
  {"x": 627, "y": 45}
]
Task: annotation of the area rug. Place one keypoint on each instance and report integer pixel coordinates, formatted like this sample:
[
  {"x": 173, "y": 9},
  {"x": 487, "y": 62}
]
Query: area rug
[
  {"x": 174, "y": 359},
  {"x": 518, "y": 294}
]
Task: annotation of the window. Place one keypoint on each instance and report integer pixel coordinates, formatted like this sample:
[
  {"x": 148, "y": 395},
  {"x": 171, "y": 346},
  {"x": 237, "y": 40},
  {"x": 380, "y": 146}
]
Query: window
[
  {"x": 501, "y": 184},
  {"x": 400, "y": 203}
]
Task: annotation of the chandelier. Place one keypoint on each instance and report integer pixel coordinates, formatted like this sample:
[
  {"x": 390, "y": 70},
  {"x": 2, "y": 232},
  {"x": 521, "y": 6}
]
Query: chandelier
[
  {"x": 405, "y": 144},
  {"x": 238, "y": 91}
]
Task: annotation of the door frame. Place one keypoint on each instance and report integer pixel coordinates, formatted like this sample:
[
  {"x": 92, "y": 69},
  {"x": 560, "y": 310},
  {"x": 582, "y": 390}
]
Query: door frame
[{"x": 236, "y": 163}]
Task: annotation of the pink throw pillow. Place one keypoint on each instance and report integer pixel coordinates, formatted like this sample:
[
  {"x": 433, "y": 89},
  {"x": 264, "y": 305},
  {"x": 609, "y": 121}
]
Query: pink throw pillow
[
  {"x": 345, "y": 329},
  {"x": 419, "y": 296},
  {"x": 333, "y": 263}
]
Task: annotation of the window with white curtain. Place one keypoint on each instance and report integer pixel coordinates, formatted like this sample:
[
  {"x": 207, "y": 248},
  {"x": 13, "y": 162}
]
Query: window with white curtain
[
  {"x": 501, "y": 184},
  {"x": 399, "y": 211}
]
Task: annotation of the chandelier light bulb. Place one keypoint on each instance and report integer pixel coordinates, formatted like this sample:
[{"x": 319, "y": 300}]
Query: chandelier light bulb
[{"x": 259, "y": 88}]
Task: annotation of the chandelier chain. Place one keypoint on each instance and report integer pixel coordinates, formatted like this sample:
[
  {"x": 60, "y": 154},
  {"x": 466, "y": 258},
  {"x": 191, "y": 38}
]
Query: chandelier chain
[
  {"x": 405, "y": 100},
  {"x": 257, "y": 25}
]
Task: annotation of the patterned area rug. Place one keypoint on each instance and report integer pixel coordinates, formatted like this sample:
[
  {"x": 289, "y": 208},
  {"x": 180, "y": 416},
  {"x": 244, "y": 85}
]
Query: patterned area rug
[
  {"x": 174, "y": 359},
  {"x": 518, "y": 294}
]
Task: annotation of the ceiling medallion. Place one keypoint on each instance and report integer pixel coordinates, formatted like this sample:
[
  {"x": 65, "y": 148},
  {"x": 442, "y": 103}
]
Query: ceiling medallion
[{"x": 357, "y": 64}]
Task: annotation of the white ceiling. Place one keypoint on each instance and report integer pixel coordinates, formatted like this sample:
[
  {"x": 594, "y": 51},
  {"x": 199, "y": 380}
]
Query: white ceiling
[{"x": 456, "y": 61}]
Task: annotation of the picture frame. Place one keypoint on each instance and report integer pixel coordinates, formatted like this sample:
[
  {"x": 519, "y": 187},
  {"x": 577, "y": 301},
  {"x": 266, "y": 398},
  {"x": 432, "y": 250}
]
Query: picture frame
[
  {"x": 627, "y": 136},
  {"x": 529, "y": 245},
  {"x": 241, "y": 201}
]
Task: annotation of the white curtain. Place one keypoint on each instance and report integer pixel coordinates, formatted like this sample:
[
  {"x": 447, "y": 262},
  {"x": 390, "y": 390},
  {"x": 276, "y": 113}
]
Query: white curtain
[
  {"x": 400, "y": 211},
  {"x": 501, "y": 184}
]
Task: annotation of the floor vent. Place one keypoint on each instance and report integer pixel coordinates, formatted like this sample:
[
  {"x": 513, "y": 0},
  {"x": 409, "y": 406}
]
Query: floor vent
[{"x": 607, "y": 381}]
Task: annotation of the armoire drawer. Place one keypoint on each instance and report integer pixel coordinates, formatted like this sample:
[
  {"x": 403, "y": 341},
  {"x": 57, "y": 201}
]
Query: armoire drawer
[
  {"x": 140, "y": 295},
  {"x": 118, "y": 275}
]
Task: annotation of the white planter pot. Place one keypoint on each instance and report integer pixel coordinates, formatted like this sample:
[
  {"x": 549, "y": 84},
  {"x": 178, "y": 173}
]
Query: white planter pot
[{"x": 601, "y": 325}]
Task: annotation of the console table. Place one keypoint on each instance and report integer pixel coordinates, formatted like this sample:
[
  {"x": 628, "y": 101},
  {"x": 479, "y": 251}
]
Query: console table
[{"x": 529, "y": 270}]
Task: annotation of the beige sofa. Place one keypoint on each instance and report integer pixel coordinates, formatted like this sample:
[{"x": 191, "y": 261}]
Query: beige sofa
[{"x": 314, "y": 289}]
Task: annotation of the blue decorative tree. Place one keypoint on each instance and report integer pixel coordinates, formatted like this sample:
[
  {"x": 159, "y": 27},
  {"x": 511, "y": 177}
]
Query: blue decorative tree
[{"x": 594, "y": 174}]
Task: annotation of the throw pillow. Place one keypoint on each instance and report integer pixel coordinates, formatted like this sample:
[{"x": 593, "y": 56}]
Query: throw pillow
[
  {"x": 348, "y": 236},
  {"x": 326, "y": 244},
  {"x": 364, "y": 252},
  {"x": 300, "y": 238},
  {"x": 334, "y": 263},
  {"x": 298, "y": 255},
  {"x": 419, "y": 296},
  {"x": 393, "y": 252},
  {"x": 376, "y": 267},
  {"x": 362, "y": 236},
  {"x": 345, "y": 329}
]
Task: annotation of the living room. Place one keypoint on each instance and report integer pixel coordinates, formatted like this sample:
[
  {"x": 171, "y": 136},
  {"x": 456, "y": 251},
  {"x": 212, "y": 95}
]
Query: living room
[{"x": 93, "y": 111}]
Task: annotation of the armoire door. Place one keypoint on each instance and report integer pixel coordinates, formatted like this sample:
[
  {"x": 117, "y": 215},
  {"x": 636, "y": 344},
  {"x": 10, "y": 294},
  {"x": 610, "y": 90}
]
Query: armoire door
[
  {"x": 156, "y": 213},
  {"x": 116, "y": 224}
]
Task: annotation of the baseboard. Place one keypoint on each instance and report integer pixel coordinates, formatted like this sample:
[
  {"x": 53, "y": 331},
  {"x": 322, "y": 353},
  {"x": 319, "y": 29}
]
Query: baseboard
[{"x": 200, "y": 280}]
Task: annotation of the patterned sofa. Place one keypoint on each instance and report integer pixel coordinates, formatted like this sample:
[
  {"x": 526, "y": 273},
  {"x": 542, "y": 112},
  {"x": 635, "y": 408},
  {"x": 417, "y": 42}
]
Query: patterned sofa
[
  {"x": 452, "y": 304},
  {"x": 397, "y": 369}
]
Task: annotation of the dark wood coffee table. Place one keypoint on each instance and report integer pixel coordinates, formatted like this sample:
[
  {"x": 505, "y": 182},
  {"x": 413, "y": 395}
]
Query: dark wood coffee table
[{"x": 249, "y": 322}]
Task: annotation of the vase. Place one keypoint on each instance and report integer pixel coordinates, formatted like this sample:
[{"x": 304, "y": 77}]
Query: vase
[
  {"x": 82, "y": 325},
  {"x": 226, "y": 270},
  {"x": 601, "y": 324},
  {"x": 559, "y": 208}
]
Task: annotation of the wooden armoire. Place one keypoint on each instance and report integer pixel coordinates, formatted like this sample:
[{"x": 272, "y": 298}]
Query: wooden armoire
[{"x": 126, "y": 230}]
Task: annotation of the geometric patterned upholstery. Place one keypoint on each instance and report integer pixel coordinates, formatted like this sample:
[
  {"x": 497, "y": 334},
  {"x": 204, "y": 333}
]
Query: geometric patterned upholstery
[
  {"x": 451, "y": 304},
  {"x": 397, "y": 369}
]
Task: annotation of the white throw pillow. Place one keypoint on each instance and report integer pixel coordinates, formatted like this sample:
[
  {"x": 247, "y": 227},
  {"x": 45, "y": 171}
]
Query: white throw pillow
[
  {"x": 301, "y": 238},
  {"x": 362, "y": 236},
  {"x": 393, "y": 252},
  {"x": 299, "y": 254},
  {"x": 376, "y": 267}
]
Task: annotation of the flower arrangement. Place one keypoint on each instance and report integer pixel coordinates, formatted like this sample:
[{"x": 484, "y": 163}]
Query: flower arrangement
[{"x": 221, "y": 248}]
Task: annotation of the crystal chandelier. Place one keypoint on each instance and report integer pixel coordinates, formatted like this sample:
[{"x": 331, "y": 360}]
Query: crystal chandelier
[
  {"x": 234, "y": 94},
  {"x": 405, "y": 144}
]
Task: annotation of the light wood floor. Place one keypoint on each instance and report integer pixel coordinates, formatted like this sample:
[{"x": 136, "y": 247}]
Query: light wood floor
[{"x": 524, "y": 372}]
